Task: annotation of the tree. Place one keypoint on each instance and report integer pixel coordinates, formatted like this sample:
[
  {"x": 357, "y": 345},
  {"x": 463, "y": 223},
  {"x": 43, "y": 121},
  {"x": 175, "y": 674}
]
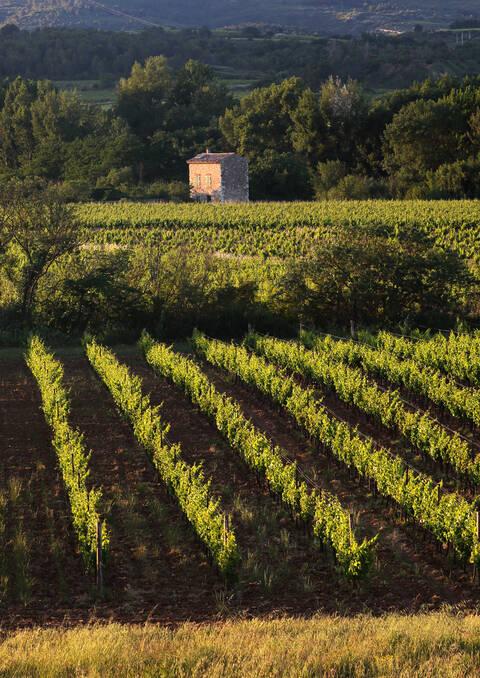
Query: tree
[
  {"x": 263, "y": 120},
  {"x": 374, "y": 275},
  {"x": 422, "y": 136},
  {"x": 280, "y": 176},
  {"x": 344, "y": 108},
  {"x": 173, "y": 113},
  {"x": 261, "y": 128},
  {"x": 39, "y": 228},
  {"x": 327, "y": 176},
  {"x": 141, "y": 98},
  {"x": 309, "y": 132}
]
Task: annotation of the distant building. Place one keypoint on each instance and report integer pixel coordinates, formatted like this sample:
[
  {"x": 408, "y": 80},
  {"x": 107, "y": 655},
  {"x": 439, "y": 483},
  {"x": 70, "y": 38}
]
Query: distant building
[{"x": 218, "y": 177}]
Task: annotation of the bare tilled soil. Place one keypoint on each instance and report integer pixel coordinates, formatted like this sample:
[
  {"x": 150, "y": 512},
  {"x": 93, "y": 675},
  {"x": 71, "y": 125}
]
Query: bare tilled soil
[{"x": 158, "y": 569}]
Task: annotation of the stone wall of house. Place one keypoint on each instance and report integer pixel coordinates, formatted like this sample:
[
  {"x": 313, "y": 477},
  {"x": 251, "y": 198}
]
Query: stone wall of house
[
  {"x": 203, "y": 191},
  {"x": 234, "y": 179}
]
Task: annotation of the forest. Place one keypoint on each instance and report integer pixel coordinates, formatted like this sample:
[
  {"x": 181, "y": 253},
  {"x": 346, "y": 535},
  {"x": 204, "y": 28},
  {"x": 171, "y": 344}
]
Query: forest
[
  {"x": 257, "y": 54},
  {"x": 332, "y": 143}
]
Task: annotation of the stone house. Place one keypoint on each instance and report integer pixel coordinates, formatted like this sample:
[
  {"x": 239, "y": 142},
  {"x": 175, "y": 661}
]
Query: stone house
[{"x": 218, "y": 177}]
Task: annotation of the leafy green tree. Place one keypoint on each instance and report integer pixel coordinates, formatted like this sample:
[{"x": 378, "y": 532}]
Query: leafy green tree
[
  {"x": 344, "y": 108},
  {"x": 458, "y": 180},
  {"x": 95, "y": 296},
  {"x": 280, "y": 176},
  {"x": 141, "y": 99},
  {"x": 263, "y": 119},
  {"x": 39, "y": 228},
  {"x": 422, "y": 136},
  {"x": 174, "y": 113},
  {"x": 327, "y": 176},
  {"x": 196, "y": 98},
  {"x": 310, "y": 129},
  {"x": 371, "y": 275},
  {"x": 16, "y": 133}
]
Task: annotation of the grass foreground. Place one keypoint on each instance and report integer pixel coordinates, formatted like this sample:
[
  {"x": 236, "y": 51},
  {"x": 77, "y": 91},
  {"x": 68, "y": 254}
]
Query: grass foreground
[{"x": 432, "y": 644}]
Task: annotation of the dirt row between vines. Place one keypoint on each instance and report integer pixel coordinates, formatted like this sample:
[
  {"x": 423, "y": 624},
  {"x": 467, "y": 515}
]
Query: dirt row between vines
[{"x": 158, "y": 569}]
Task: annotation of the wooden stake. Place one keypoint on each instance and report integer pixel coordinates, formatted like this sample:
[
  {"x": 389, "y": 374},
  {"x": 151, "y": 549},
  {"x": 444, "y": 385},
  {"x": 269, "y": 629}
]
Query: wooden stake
[
  {"x": 99, "y": 558},
  {"x": 225, "y": 530},
  {"x": 350, "y": 522}
]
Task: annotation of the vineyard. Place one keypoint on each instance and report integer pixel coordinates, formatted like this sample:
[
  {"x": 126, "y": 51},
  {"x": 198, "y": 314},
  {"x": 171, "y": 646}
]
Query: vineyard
[
  {"x": 274, "y": 229},
  {"x": 258, "y": 477}
]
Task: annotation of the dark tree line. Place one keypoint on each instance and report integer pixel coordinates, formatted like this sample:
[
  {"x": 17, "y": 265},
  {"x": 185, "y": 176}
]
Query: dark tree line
[
  {"x": 422, "y": 142},
  {"x": 375, "y": 60},
  {"x": 331, "y": 143},
  {"x": 161, "y": 117}
]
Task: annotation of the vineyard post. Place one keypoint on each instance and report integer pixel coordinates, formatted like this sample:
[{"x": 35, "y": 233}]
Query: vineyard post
[
  {"x": 225, "y": 530},
  {"x": 350, "y": 523},
  {"x": 352, "y": 328},
  {"x": 99, "y": 558},
  {"x": 300, "y": 329},
  {"x": 477, "y": 534},
  {"x": 55, "y": 401}
]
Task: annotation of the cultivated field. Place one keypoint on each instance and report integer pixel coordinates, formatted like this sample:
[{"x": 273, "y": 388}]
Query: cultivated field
[
  {"x": 275, "y": 229},
  {"x": 335, "y": 480}
]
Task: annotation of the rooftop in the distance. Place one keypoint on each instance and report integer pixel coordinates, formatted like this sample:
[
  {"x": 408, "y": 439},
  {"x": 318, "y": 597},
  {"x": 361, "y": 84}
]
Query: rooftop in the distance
[{"x": 210, "y": 157}]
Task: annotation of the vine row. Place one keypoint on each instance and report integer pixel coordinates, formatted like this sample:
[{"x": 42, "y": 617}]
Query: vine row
[
  {"x": 71, "y": 453},
  {"x": 448, "y": 516},
  {"x": 457, "y": 355},
  {"x": 353, "y": 387},
  {"x": 458, "y": 401},
  {"x": 329, "y": 518},
  {"x": 186, "y": 482}
]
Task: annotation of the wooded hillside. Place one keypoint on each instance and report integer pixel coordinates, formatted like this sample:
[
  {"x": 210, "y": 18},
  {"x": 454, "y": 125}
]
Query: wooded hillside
[{"x": 326, "y": 16}]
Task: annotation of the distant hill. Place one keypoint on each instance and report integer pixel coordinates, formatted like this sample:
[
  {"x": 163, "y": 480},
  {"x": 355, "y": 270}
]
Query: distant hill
[{"x": 323, "y": 16}]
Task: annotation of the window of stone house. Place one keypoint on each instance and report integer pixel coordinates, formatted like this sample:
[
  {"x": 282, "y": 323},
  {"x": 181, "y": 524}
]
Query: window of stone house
[
  {"x": 197, "y": 181},
  {"x": 208, "y": 180}
]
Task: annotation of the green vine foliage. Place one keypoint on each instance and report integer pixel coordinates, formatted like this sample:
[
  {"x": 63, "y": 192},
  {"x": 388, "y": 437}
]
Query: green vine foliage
[
  {"x": 354, "y": 388},
  {"x": 185, "y": 482},
  {"x": 459, "y": 401},
  {"x": 457, "y": 355},
  {"x": 448, "y": 516},
  {"x": 330, "y": 520},
  {"x": 71, "y": 453}
]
